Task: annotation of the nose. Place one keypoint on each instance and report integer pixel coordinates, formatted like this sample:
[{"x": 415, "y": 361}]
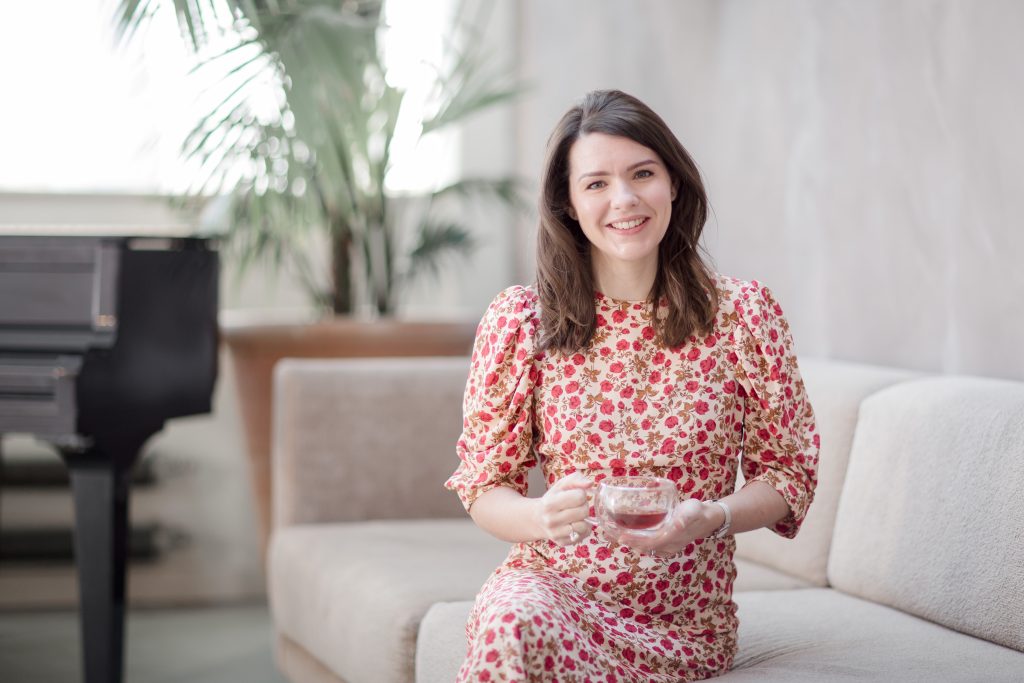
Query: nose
[{"x": 624, "y": 197}]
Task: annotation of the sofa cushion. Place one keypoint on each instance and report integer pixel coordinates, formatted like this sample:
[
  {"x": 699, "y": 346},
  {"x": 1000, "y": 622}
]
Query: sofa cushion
[
  {"x": 299, "y": 666},
  {"x": 836, "y": 390},
  {"x": 815, "y": 635},
  {"x": 353, "y": 595},
  {"x": 931, "y": 520},
  {"x": 821, "y": 635},
  {"x": 382, "y": 430},
  {"x": 441, "y": 643},
  {"x": 751, "y": 576},
  {"x": 441, "y": 647}
]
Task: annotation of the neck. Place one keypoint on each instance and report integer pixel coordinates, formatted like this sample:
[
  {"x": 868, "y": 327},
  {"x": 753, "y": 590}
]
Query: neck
[{"x": 626, "y": 281}]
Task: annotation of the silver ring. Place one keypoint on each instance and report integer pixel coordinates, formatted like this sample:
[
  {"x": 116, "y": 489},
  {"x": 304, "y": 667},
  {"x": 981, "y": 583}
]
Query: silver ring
[{"x": 573, "y": 534}]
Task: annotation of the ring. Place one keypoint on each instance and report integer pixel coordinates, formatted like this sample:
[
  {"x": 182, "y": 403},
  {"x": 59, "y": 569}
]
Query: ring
[{"x": 573, "y": 534}]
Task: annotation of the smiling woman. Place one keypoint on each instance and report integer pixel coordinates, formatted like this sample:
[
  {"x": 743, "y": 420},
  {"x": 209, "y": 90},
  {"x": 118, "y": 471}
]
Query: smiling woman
[
  {"x": 624, "y": 211},
  {"x": 629, "y": 358}
]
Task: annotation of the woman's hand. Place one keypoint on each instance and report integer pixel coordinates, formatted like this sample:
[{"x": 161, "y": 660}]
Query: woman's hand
[
  {"x": 692, "y": 519},
  {"x": 561, "y": 513}
]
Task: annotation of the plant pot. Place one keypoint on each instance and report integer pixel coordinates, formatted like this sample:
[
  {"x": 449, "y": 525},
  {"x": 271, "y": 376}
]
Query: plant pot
[{"x": 255, "y": 349}]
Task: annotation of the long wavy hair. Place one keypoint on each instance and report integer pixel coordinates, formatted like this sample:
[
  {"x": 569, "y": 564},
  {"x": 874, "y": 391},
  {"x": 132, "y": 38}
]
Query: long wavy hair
[{"x": 565, "y": 281}]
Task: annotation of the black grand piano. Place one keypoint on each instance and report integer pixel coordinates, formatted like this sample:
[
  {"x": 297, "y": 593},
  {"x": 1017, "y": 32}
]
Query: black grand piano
[{"x": 103, "y": 339}]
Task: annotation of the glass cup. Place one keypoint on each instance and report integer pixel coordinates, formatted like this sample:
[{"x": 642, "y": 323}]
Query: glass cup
[{"x": 638, "y": 505}]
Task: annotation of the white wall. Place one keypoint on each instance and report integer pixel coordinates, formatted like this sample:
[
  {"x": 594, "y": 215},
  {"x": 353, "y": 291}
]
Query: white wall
[{"x": 864, "y": 157}]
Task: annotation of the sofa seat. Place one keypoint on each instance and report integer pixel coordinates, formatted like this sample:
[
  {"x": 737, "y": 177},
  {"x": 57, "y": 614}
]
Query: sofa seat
[
  {"x": 816, "y": 635},
  {"x": 751, "y": 576},
  {"x": 369, "y": 634},
  {"x": 823, "y": 635},
  {"x": 442, "y": 634},
  {"x": 402, "y": 567}
]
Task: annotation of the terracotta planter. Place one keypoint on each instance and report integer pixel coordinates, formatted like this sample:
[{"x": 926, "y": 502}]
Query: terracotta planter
[{"x": 255, "y": 349}]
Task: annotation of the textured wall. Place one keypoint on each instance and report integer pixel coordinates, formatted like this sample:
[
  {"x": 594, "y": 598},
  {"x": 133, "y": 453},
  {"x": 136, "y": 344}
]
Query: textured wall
[{"x": 864, "y": 158}]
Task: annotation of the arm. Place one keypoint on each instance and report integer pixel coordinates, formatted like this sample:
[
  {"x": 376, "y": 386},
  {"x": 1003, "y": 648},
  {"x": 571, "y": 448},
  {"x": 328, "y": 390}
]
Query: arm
[{"x": 510, "y": 516}]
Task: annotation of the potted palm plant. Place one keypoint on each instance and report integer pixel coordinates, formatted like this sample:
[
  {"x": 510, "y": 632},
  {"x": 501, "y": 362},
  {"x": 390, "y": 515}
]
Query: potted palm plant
[{"x": 301, "y": 141}]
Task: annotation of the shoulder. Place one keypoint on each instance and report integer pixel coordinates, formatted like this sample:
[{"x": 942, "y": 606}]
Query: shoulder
[
  {"x": 750, "y": 303},
  {"x": 511, "y": 318},
  {"x": 513, "y": 308},
  {"x": 518, "y": 302}
]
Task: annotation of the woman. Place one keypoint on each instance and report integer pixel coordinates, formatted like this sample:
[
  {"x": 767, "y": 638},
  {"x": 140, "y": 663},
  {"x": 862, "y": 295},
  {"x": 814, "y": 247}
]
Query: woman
[{"x": 629, "y": 356}]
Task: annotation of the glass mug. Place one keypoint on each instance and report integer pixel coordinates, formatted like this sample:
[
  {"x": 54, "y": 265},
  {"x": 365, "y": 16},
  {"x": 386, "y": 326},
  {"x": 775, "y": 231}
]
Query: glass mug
[{"x": 639, "y": 505}]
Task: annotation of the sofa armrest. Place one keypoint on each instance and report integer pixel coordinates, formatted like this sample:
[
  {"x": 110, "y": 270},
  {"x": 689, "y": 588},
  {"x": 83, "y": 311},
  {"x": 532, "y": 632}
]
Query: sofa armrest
[{"x": 367, "y": 438}]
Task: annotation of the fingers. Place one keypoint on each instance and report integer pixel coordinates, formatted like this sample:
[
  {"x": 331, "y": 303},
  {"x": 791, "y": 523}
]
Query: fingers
[
  {"x": 676, "y": 534},
  {"x": 578, "y": 531},
  {"x": 689, "y": 512},
  {"x": 564, "y": 509},
  {"x": 570, "y": 533},
  {"x": 566, "y": 526},
  {"x": 576, "y": 480},
  {"x": 566, "y": 499}
]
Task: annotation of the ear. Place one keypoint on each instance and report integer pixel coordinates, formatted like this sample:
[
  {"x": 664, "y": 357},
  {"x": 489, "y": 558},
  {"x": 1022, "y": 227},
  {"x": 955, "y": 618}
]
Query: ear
[
  {"x": 675, "y": 191},
  {"x": 572, "y": 212}
]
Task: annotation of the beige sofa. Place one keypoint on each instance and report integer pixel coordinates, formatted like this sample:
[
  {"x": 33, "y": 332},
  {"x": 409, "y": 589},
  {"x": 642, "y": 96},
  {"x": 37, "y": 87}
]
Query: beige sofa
[{"x": 909, "y": 567}]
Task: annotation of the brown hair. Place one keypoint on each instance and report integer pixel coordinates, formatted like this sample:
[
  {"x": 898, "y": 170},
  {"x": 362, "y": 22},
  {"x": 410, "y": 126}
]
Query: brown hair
[{"x": 564, "y": 277}]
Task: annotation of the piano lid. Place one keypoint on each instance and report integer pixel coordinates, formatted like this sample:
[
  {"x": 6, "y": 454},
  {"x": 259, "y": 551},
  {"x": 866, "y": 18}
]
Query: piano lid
[
  {"x": 58, "y": 294},
  {"x": 87, "y": 230}
]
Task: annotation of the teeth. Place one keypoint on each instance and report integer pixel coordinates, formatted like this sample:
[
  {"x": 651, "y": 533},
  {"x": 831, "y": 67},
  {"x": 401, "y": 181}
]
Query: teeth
[{"x": 628, "y": 225}]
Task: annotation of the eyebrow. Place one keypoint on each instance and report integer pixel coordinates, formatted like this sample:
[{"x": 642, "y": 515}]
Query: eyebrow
[{"x": 638, "y": 164}]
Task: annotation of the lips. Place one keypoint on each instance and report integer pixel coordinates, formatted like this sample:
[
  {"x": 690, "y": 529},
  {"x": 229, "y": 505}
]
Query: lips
[{"x": 628, "y": 224}]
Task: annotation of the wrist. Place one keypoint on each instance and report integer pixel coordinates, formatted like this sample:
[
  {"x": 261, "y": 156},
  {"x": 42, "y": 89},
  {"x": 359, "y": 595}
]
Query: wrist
[
  {"x": 535, "y": 516},
  {"x": 721, "y": 517}
]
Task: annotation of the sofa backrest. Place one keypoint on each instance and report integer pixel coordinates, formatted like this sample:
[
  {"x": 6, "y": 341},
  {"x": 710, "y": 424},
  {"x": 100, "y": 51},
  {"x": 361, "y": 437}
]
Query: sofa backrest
[
  {"x": 347, "y": 429},
  {"x": 931, "y": 518},
  {"x": 836, "y": 390}
]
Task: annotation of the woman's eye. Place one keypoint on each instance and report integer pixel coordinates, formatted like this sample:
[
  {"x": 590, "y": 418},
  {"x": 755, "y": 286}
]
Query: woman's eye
[
  {"x": 644, "y": 173},
  {"x": 597, "y": 184}
]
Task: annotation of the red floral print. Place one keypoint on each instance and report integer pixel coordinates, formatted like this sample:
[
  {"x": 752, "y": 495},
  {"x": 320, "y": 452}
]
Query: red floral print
[{"x": 729, "y": 401}]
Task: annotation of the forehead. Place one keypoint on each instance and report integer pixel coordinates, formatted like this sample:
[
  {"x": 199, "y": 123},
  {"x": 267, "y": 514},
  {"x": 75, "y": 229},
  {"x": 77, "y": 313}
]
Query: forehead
[{"x": 603, "y": 152}]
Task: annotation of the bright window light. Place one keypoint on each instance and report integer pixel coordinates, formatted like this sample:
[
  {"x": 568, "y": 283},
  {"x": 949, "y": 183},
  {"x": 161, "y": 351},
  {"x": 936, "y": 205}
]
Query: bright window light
[
  {"x": 413, "y": 51},
  {"x": 83, "y": 115}
]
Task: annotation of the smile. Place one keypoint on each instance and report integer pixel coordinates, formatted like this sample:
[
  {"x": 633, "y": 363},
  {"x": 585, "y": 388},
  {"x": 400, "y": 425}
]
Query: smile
[{"x": 628, "y": 224}]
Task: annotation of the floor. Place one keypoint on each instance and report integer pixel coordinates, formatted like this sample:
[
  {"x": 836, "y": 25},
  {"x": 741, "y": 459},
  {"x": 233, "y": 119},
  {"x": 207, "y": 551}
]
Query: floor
[{"x": 197, "y": 645}]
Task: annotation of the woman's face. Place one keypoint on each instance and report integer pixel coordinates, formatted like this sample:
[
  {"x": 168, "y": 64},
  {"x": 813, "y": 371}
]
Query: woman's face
[{"x": 621, "y": 194}]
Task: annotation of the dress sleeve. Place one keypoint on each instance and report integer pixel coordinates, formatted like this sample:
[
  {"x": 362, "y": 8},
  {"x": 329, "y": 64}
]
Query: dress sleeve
[
  {"x": 495, "y": 448},
  {"x": 780, "y": 442}
]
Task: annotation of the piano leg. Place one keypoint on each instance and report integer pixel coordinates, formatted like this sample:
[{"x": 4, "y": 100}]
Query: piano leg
[{"x": 99, "y": 484}]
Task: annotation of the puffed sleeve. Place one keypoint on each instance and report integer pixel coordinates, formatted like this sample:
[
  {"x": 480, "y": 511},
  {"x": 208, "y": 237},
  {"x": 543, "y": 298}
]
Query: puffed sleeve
[
  {"x": 495, "y": 448},
  {"x": 780, "y": 443}
]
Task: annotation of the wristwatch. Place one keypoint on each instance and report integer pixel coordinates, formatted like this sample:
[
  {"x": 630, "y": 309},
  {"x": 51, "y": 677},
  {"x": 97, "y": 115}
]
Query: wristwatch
[{"x": 723, "y": 530}]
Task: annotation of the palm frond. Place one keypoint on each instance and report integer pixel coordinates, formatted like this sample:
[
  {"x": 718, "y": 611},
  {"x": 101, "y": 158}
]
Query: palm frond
[
  {"x": 508, "y": 190},
  {"x": 472, "y": 83},
  {"x": 437, "y": 239},
  {"x": 130, "y": 16},
  {"x": 312, "y": 165}
]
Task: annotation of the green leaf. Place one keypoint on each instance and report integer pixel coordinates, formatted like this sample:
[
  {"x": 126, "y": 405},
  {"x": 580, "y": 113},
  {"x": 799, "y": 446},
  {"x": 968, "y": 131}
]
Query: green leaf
[
  {"x": 331, "y": 133},
  {"x": 436, "y": 240}
]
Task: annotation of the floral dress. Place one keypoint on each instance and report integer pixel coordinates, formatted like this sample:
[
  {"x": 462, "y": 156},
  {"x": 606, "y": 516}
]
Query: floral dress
[{"x": 695, "y": 414}]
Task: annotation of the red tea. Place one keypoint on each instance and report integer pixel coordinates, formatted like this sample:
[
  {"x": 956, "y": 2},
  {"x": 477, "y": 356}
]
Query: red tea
[{"x": 638, "y": 519}]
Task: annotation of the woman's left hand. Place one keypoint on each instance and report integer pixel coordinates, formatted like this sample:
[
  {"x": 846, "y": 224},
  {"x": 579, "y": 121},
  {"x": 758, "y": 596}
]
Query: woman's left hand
[{"x": 692, "y": 519}]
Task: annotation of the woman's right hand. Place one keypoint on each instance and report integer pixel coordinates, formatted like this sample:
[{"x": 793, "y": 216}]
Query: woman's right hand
[{"x": 561, "y": 513}]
